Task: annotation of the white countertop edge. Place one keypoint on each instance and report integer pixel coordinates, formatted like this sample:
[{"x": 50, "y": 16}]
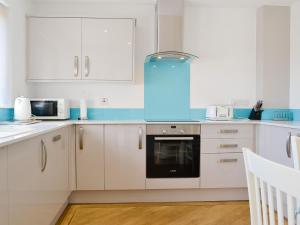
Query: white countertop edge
[{"x": 46, "y": 127}]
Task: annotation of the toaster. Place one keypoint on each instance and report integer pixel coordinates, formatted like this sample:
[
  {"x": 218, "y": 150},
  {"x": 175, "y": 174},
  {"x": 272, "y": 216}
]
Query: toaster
[{"x": 219, "y": 112}]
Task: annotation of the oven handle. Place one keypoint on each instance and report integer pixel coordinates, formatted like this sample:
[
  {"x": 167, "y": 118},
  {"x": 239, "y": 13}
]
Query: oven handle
[{"x": 173, "y": 138}]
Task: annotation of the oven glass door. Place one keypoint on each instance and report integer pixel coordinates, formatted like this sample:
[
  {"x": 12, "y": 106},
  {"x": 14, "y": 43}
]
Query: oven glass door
[
  {"x": 44, "y": 108},
  {"x": 173, "y": 156}
]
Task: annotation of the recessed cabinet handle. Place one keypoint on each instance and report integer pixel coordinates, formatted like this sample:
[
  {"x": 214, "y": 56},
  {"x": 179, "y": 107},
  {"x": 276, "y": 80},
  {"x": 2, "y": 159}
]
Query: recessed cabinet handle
[
  {"x": 76, "y": 66},
  {"x": 228, "y": 160},
  {"x": 229, "y": 145},
  {"x": 140, "y": 138},
  {"x": 44, "y": 157},
  {"x": 231, "y": 131},
  {"x": 288, "y": 146},
  {"x": 87, "y": 66},
  {"x": 81, "y": 138}
]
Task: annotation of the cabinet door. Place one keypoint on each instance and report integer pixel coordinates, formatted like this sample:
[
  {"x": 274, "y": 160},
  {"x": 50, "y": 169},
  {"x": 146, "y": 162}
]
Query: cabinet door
[
  {"x": 54, "y": 179},
  {"x": 25, "y": 193},
  {"x": 90, "y": 157},
  {"x": 271, "y": 143},
  {"x": 125, "y": 157},
  {"x": 108, "y": 49},
  {"x": 3, "y": 187},
  {"x": 54, "y": 48}
]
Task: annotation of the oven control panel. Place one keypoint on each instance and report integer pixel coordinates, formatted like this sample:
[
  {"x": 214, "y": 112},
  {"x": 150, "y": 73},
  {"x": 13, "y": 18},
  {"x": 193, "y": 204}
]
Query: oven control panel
[{"x": 173, "y": 129}]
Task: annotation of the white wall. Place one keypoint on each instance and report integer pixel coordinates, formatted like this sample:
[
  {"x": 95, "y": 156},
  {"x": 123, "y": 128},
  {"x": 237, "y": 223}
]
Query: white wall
[
  {"x": 295, "y": 56},
  {"x": 118, "y": 95},
  {"x": 15, "y": 85},
  {"x": 225, "y": 41}
]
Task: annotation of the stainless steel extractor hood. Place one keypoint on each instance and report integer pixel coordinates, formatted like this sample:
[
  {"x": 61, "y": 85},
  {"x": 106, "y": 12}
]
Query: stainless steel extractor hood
[{"x": 169, "y": 17}]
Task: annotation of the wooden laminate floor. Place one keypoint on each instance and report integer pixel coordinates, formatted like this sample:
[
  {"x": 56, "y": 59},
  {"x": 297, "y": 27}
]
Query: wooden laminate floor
[{"x": 202, "y": 213}]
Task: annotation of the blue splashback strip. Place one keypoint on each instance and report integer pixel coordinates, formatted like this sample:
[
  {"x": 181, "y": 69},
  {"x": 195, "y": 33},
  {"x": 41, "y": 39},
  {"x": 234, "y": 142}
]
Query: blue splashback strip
[
  {"x": 6, "y": 114},
  {"x": 167, "y": 90},
  {"x": 109, "y": 114}
]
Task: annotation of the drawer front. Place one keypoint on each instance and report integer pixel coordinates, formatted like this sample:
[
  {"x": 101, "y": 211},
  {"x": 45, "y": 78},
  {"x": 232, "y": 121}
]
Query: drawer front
[
  {"x": 227, "y": 131},
  {"x": 223, "y": 171},
  {"x": 225, "y": 145}
]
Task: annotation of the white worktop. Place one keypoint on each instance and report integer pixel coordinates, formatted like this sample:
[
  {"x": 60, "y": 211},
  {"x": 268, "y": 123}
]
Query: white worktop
[{"x": 45, "y": 127}]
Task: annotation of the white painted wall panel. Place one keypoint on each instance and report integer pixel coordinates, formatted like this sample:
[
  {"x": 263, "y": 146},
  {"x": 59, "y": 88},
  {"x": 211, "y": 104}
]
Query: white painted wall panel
[{"x": 225, "y": 41}]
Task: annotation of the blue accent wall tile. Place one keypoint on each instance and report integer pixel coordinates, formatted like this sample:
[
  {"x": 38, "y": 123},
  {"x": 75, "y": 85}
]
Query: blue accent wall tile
[
  {"x": 167, "y": 90},
  {"x": 109, "y": 114},
  {"x": 6, "y": 114}
]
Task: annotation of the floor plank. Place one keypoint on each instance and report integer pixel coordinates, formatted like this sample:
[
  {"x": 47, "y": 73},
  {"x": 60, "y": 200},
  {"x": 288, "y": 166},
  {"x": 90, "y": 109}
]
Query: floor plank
[{"x": 200, "y": 213}]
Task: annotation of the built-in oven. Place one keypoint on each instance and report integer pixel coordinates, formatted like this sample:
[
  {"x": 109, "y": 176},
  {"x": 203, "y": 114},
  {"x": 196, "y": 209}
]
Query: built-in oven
[{"x": 173, "y": 151}]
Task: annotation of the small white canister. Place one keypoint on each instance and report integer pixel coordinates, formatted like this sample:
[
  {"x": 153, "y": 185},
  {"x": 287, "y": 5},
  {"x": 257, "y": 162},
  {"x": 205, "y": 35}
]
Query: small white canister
[{"x": 83, "y": 110}]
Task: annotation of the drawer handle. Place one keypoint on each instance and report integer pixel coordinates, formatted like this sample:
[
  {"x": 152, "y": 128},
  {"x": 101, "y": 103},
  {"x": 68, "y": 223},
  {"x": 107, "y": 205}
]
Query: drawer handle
[
  {"x": 56, "y": 138},
  {"x": 231, "y": 131},
  {"x": 229, "y": 145},
  {"x": 228, "y": 160}
]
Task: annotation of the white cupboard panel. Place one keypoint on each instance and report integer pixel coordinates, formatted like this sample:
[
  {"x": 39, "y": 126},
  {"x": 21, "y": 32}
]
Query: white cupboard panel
[
  {"x": 223, "y": 171},
  {"x": 272, "y": 143},
  {"x": 54, "y": 48},
  {"x": 172, "y": 183},
  {"x": 90, "y": 157},
  {"x": 125, "y": 157},
  {"x": 3, "y": 187},
  {"x": 107, "y": 49},
  {"x": 225, "y": 145},
  {"x": 227, "y": 131},
  {"x": 26, "y": 205}
]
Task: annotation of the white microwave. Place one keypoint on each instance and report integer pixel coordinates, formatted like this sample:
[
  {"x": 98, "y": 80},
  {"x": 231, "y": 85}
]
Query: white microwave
[{"x": 50, "y": 109}]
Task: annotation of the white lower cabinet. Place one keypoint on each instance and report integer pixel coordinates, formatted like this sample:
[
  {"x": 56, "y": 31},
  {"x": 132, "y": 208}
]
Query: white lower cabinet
[
  {"x": 271, "y": 143},
  {"x": 223, "y": 171},
  {"x": 38, "y": 179},
  {"x": 125, "y": 157},
  {"x": 3, "y": 187},
  {"x": 90, "y": 157}
]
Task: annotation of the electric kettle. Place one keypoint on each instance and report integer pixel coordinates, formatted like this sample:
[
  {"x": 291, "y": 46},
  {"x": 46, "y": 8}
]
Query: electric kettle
[{"x": 22, "y": 110}]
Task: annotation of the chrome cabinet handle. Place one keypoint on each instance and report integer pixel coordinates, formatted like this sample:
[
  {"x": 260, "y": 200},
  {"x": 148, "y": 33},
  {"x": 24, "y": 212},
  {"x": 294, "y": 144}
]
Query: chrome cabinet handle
[
  {"x": 76, "y": 66},
  {"x": 56, "y": 138},
  {"x": 228, "y": 160},
  {"x": 288, "y": 146},
  {"x": 140, "y": 138},
  {"x": 87, "y": 66},
  {"x": 231, "y": 131},
  {"x": 229, "y": 145},
  {"x": 81, "y": 138},
  {"x": 44, "y": 157}
]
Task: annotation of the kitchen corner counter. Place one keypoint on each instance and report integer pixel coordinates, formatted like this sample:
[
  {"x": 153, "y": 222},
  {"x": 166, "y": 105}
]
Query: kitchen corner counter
[{"x": 37, "y": 129}]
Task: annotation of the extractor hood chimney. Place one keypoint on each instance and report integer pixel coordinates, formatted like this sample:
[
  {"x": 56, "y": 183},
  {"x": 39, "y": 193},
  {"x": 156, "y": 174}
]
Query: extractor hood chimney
[{"x": 169, "y": 38}]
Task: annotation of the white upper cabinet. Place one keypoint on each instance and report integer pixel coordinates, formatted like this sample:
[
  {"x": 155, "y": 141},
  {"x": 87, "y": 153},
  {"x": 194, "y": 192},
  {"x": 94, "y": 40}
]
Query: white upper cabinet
[
  {"x": 54, "y": 48},
  {"x": 3, "y": 187},
  {"x": 107, "y": 49},
  {"x": 62, "y": 49},
  {"x": 125, "y": 157}
]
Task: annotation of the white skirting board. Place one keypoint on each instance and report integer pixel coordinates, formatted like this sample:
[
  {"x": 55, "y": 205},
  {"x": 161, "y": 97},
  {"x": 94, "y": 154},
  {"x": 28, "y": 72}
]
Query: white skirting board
[{"x": 185, "y": 195}]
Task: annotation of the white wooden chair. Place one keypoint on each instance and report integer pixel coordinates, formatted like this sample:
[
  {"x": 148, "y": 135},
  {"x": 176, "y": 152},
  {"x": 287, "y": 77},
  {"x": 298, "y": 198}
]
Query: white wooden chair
[{"x": 267, "y": 180}]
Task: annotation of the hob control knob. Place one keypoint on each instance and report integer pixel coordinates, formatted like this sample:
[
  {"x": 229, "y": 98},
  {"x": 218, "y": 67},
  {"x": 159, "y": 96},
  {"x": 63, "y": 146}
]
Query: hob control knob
[
  {"x": 182, "y": 131},
  {"x": 164, "y": 131}
]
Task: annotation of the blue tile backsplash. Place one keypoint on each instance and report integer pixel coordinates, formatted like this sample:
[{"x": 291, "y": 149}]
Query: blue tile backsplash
[{"x": 167, "y": 90}]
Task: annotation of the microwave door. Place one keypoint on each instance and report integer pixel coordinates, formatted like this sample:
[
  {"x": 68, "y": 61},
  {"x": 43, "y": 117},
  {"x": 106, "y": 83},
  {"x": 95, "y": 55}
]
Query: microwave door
[{"x": 44, "y": 108}]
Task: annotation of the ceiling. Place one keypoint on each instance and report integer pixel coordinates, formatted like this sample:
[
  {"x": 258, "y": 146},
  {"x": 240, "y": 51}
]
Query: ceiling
[{"x": 238, "y": 3}]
